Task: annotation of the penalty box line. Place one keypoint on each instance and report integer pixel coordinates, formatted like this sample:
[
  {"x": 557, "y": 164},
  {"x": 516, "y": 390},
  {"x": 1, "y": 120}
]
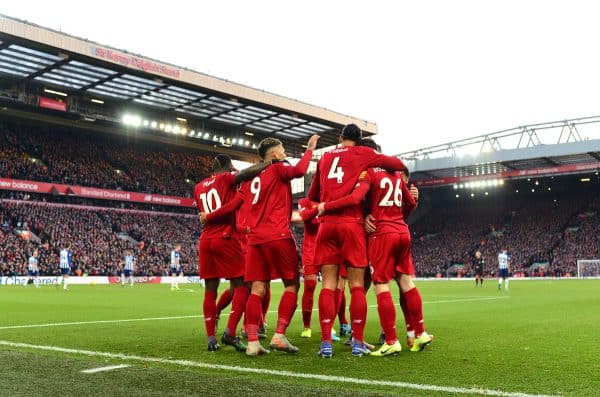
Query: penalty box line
[
  {"x": 131, "y": 320},
  {"x": 283, "y": 374}
]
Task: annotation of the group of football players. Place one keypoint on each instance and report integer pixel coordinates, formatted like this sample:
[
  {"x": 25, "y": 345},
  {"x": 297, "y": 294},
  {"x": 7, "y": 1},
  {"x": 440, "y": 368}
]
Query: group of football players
[{"x": 354, "y": 217}]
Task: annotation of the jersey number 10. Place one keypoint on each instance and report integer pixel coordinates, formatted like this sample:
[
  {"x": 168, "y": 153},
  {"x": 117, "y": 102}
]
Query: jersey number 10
[{"x": 211, "y": 200}]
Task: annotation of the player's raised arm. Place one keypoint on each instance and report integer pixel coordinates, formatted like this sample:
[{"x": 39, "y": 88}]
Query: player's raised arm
[
  {"x": 299, "y": 170},
  {"x": 408, "y": 201},
  {"x": 390, "y": 163}
]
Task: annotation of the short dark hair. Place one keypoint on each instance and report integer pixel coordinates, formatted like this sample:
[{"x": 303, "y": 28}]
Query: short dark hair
[
  {"x": 406, "y": 172},
  {"x": 369, "y": 142},
  {"x": 221, "y": 161},
  {"x": 352, "y": 132},
  {"x": 266, "y": 144}
]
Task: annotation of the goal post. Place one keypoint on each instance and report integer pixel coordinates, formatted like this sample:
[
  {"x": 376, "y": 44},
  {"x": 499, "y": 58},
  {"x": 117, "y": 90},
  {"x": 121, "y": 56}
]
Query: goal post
[{"x": 588, "y": 268}]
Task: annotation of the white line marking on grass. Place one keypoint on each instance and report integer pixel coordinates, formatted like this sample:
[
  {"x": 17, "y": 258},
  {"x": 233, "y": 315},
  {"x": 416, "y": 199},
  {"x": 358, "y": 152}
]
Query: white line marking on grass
[
  {"x": 283, "y": 374},
  {"x": 102, "y": 369},
  {"x": 131, "y": 320}
]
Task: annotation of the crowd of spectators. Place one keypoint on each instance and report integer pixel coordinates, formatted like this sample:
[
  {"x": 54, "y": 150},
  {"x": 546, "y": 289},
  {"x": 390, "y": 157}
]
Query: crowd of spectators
[
  {"x": 98, "y": 238},
  {"x": 77, "y": 158}
]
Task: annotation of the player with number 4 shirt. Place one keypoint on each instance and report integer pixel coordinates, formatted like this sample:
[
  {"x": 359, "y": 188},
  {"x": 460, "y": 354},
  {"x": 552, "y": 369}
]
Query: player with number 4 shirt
[{"x": 341, "y": 238}]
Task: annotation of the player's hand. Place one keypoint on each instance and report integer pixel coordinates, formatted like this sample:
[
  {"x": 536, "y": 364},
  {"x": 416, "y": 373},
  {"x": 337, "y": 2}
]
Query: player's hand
[
  {"x": 321, "y": 209},
  {"x": 414, "y": 192},
  {"x": 203, "y": 218},
  {"x": 312, "y": 142},
  {"x": 370, "y": 224}
]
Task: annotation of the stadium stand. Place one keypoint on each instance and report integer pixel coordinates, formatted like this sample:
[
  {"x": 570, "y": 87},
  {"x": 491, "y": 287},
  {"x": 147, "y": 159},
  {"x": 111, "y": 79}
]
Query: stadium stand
[
  {"x": 94, "y": 235},
  {"x": 97, "y": 161}
]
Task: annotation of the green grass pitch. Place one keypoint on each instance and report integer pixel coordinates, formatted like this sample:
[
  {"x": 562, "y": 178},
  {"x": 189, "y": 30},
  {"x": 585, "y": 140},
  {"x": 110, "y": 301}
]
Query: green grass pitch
[{"x": 541, "y": 337}]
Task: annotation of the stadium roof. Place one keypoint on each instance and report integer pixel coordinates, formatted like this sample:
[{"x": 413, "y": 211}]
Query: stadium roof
[
  {"x": 550, "y": 148},
  {"x": 33, "y": 54}
]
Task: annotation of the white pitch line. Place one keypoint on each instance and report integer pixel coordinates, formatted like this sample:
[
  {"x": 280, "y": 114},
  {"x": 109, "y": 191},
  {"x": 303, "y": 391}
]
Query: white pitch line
[
  {"x": 102, "y": 369},
  {"x": 130, "y": 320},
  {"x": 283, "y": 374}
]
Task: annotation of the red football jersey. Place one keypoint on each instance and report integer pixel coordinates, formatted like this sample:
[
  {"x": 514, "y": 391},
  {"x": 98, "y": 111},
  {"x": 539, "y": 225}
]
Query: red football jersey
[
  {"x": 337, "y": 175},
  {"x": 270, "y": 197},
  {"x": 308, "y": 212},
  {"x": 210, "y": 194},
  {"x": 389, "y": 199}
]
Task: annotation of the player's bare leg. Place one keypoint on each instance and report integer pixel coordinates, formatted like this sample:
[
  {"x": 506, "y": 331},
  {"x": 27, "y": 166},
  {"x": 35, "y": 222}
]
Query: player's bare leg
[
  {"x": 308, "y": 295},
  {"x": 358, "y": 310},
  {"x": 414, "y": 306},
  {"x": 210, "y": 312},
  {"x": 253, "y": 318}
]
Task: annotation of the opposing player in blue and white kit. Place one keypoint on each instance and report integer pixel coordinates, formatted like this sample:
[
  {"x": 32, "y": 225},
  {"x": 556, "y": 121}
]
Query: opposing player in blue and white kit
[
  {"x": 176, "y": 268},
  {"x": 503, "y": 269},
  {"x": 32, "y": 269},
  {"x": 128, "y": 268},
  {"x": 65, "y": 265}
]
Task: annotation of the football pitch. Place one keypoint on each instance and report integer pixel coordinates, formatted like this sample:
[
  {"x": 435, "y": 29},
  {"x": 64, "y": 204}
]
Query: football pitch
[{"x": 539, "y": 338}]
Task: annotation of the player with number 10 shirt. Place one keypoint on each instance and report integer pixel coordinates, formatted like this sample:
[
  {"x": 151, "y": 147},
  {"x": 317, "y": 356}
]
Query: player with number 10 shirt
[{"x": 219, "y": 251}]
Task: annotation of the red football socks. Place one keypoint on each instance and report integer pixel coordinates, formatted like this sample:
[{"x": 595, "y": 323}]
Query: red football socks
[
  {"x": 415, "y": 308},
  {"x": 358, "y": 313},
  {"x": 308, "y": 301},
  {"x": 224, "y": 300},
  {"x": 265, "y": 304},
  {"x": 209, "y": 307},
  {"x": 285, "y": 311},
  {"x": 253, "y": 316},
  {"x": 238, "y": 305},
  {"x": 405, "y": 312},
  {"x": 387, "y": 316},
  {"x": 340, "y": 300},
  {"x": 326, "y": 313}
]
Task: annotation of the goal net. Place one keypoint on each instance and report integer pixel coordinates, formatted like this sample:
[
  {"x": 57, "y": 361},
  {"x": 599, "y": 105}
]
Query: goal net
[{"x": 588, "y": 268}]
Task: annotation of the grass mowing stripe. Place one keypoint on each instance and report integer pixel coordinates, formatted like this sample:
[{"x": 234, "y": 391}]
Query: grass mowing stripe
[
  {"x": 326, "y": 378},
  {"x": 129, "y": 320}
]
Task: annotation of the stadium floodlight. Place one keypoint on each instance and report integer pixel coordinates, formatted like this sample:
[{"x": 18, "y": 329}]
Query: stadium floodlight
[
  {"x": 247, "y": 143},
  {"x": 532, "y": 190},
  {"x": 176, "y": 129},
  {"x": 99, "y": 101},
  {"x": 254, "y": 146},
  {"x": 457, "y": 196},
  {"x": 537, "y": 183},
  {"x": 168, "y": 128},
  {"x": 501, "y": 182},
  {"x": 517, "y": 191},
  {"x": 486, "y": 193},
  {"x": 467, "y": 185},
  {"x": 461, "y": 186},
  {"x": 455, "y": 186},
  {"x": 132, "y": 120},
  {"x": 215, "y": 138},
  {"x": 495, "y": 182},
  {"x": 472, "y": 194},
  {"x": 206, "y": 135},
  {"x": 182, "y": 119},
  {"x": 585, "y": 179},
  {"x": 234, "y": 141},
  {"x": 549, "y": 188},
  {"x": 146, "y": 123},
  {"x": 154, "y": 124},
  {"x": 251, "y": 134},
  {"x": 49, "y": 91}
]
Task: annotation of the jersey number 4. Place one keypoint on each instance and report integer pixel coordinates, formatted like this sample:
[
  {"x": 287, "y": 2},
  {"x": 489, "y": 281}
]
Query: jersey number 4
[
  {"x": 395, "y": 191},
  {"x": 336, "y": 172},
  {"x": 211, "y": 200}
]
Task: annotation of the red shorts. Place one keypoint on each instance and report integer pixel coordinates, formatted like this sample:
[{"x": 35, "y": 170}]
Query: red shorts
[
  {"x": 341, "y": 243},
  {"x": 390, "y": 254},
  {"x": 272, "y": 260},
  {"x": 220, "y": 258},
  {"x": 308, "y": 264}
]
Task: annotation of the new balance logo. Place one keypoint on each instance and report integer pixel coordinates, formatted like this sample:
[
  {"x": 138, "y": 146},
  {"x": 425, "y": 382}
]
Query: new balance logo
[
  {"x": 326, "y": 320},
  {"x": 358, "y": 321}
]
